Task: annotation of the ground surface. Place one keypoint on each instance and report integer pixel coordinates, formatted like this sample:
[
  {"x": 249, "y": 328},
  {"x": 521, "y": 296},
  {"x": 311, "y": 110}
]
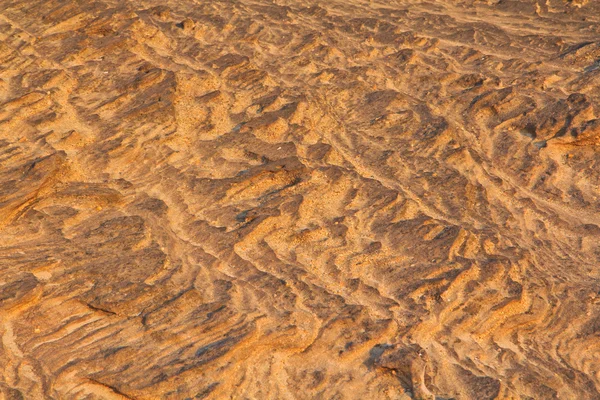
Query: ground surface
[{"x": 259, "y": 199}]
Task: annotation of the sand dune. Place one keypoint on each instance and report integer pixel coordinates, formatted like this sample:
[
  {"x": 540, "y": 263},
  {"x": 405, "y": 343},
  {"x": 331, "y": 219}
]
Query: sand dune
[{"x": 292, "y": 199}]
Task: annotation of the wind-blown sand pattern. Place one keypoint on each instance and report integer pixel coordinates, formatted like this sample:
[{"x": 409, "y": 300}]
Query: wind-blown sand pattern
[{"x": 277, "y": 199}]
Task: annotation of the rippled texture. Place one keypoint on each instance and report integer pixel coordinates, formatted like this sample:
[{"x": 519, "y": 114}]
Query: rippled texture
[{"x": 256, "y": 199}]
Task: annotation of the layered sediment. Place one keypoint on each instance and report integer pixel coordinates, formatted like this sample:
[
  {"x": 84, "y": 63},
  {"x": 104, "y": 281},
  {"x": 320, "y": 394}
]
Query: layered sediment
[{"x": 256, "y": 199}]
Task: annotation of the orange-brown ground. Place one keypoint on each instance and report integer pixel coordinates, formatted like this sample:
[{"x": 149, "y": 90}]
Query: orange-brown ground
[{"x": 298, "y": 199}]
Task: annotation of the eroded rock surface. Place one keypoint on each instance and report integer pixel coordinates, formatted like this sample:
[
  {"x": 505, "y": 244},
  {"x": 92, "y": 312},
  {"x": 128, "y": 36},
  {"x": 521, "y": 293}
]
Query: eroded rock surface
[{"x": 294, "y": 199}]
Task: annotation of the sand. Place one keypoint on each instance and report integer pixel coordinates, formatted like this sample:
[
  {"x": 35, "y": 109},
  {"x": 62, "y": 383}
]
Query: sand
[{"x": 294, "y": 199}]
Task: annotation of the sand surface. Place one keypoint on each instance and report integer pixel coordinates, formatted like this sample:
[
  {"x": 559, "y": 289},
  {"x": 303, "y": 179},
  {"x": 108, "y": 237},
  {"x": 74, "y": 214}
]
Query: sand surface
[{"x": 297, "y": 199}]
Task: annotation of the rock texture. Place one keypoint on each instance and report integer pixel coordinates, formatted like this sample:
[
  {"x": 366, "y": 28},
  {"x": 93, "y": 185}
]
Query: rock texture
[{"x": 299, "y": 199}]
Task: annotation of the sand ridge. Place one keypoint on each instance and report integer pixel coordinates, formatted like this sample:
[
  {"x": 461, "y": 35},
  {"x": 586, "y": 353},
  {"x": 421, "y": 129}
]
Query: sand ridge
[{"x": 255, "y": 199}]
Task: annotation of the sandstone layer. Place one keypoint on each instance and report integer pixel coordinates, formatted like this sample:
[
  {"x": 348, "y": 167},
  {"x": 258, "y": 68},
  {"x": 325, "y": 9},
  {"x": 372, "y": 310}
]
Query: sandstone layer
[{"x": 294, "y": 199}]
